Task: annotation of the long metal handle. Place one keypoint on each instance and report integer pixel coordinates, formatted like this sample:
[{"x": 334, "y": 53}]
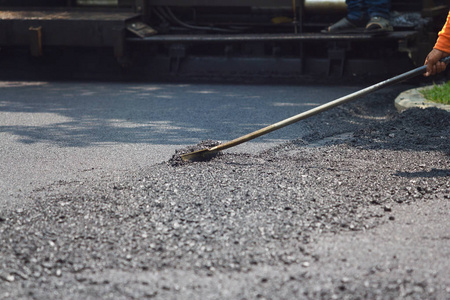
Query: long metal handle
[{"x": 324, "y": 107}]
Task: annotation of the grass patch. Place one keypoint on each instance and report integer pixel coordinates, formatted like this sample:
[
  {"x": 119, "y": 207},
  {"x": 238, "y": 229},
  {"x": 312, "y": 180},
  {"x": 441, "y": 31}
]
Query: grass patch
[{"x": 438, "y": 93}]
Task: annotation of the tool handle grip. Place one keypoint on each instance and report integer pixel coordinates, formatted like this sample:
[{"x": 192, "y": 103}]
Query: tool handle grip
[
  {"x": 446, "y": 60},
  {"x": 418, "y": 71}
]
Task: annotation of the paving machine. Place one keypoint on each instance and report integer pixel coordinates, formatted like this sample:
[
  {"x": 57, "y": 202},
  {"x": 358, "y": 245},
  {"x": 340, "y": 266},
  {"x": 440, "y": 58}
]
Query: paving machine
[{"x": 211, "y": 38}]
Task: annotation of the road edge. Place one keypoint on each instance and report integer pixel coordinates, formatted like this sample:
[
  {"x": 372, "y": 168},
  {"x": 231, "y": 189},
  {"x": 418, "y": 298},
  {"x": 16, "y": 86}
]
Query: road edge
[{"x": 413, "y": 98}]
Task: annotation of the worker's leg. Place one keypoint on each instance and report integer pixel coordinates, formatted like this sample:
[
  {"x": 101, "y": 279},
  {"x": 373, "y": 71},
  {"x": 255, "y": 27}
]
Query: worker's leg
[
  {"x": 357, "y": 10},
  {"x": 378, "y": 8},
  {"x": 355, "y": 21}
]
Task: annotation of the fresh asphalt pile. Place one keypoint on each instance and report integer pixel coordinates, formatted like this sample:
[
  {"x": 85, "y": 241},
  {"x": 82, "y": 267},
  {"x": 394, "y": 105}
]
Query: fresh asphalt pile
[{"x": 238, "y": 226}]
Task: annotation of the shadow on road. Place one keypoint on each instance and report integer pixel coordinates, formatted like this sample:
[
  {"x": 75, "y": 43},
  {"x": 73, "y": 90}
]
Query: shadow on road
[
  {"x": 84, "y": 114},
  {"x": 87, "y": 114}
]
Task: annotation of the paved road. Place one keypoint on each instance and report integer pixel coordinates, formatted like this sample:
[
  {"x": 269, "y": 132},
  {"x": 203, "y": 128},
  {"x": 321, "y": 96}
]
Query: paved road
[
  {"x": 357, "y": 209},
  {"x": 52, "y": 131}
]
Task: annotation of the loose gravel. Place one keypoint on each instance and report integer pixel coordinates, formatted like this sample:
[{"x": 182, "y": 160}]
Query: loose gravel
[{"x": 238, "y": 226}]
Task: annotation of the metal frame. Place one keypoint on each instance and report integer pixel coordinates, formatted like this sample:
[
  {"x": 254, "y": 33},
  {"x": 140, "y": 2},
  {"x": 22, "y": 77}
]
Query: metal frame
[{"x": 265, "y": 3}]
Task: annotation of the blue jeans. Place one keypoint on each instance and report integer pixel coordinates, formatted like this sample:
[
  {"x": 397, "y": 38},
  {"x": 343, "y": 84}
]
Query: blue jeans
[{"x": 365, "y": 9}]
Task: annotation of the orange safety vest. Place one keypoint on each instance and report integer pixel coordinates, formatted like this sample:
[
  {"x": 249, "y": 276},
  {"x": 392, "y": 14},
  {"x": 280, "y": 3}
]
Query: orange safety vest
[{"x": 443, "y": 41}]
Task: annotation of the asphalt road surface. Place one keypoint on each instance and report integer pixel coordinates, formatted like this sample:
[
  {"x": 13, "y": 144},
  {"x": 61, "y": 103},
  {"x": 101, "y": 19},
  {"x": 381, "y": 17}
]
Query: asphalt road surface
[
  {"x": 349, "y": 204},
  {"x": 65, "y": 131}
]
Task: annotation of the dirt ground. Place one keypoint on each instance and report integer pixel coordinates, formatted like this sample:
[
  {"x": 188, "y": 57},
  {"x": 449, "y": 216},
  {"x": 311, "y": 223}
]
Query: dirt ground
[{"x": 357, "y": 210}]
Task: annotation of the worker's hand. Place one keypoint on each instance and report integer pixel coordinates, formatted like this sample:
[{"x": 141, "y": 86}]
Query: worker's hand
[{"x": 434, "y": 66}]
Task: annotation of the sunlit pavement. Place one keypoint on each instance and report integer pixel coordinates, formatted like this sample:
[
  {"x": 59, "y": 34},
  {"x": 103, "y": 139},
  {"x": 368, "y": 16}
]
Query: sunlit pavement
[{"x": 53, "y": 131}]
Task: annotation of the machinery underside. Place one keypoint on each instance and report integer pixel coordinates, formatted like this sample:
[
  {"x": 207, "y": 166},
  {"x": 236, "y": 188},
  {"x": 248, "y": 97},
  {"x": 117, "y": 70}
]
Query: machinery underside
[{"x": 172, "y": 39}]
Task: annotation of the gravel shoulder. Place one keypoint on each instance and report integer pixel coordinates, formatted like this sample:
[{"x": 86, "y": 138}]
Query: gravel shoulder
[{"x": 357, "y": 209}]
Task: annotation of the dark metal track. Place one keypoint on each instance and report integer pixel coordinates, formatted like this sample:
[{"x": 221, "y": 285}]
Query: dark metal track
[{"x": 219, "y": 38}]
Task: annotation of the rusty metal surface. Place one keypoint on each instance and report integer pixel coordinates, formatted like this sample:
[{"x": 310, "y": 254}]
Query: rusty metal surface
[
  {"x": 63, "y": 28},
  {"x": 27, "y": 15}
]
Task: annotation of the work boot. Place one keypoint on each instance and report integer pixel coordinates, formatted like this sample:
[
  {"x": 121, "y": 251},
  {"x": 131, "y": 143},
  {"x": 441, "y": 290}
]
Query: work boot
[
  {"x": 346, "y": 26},
  {"x": 378, "y": 24}
]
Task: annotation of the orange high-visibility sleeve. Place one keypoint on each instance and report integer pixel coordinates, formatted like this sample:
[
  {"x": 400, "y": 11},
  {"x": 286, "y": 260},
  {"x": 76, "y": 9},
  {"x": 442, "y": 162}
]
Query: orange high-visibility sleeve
[{"x": 443, "y": 41}]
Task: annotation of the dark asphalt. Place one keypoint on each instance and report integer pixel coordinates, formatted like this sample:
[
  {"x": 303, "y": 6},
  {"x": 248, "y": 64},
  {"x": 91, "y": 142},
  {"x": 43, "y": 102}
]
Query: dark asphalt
[
  {"x": 357, "y": 208},
  {"x": 75, "y": 131}
]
